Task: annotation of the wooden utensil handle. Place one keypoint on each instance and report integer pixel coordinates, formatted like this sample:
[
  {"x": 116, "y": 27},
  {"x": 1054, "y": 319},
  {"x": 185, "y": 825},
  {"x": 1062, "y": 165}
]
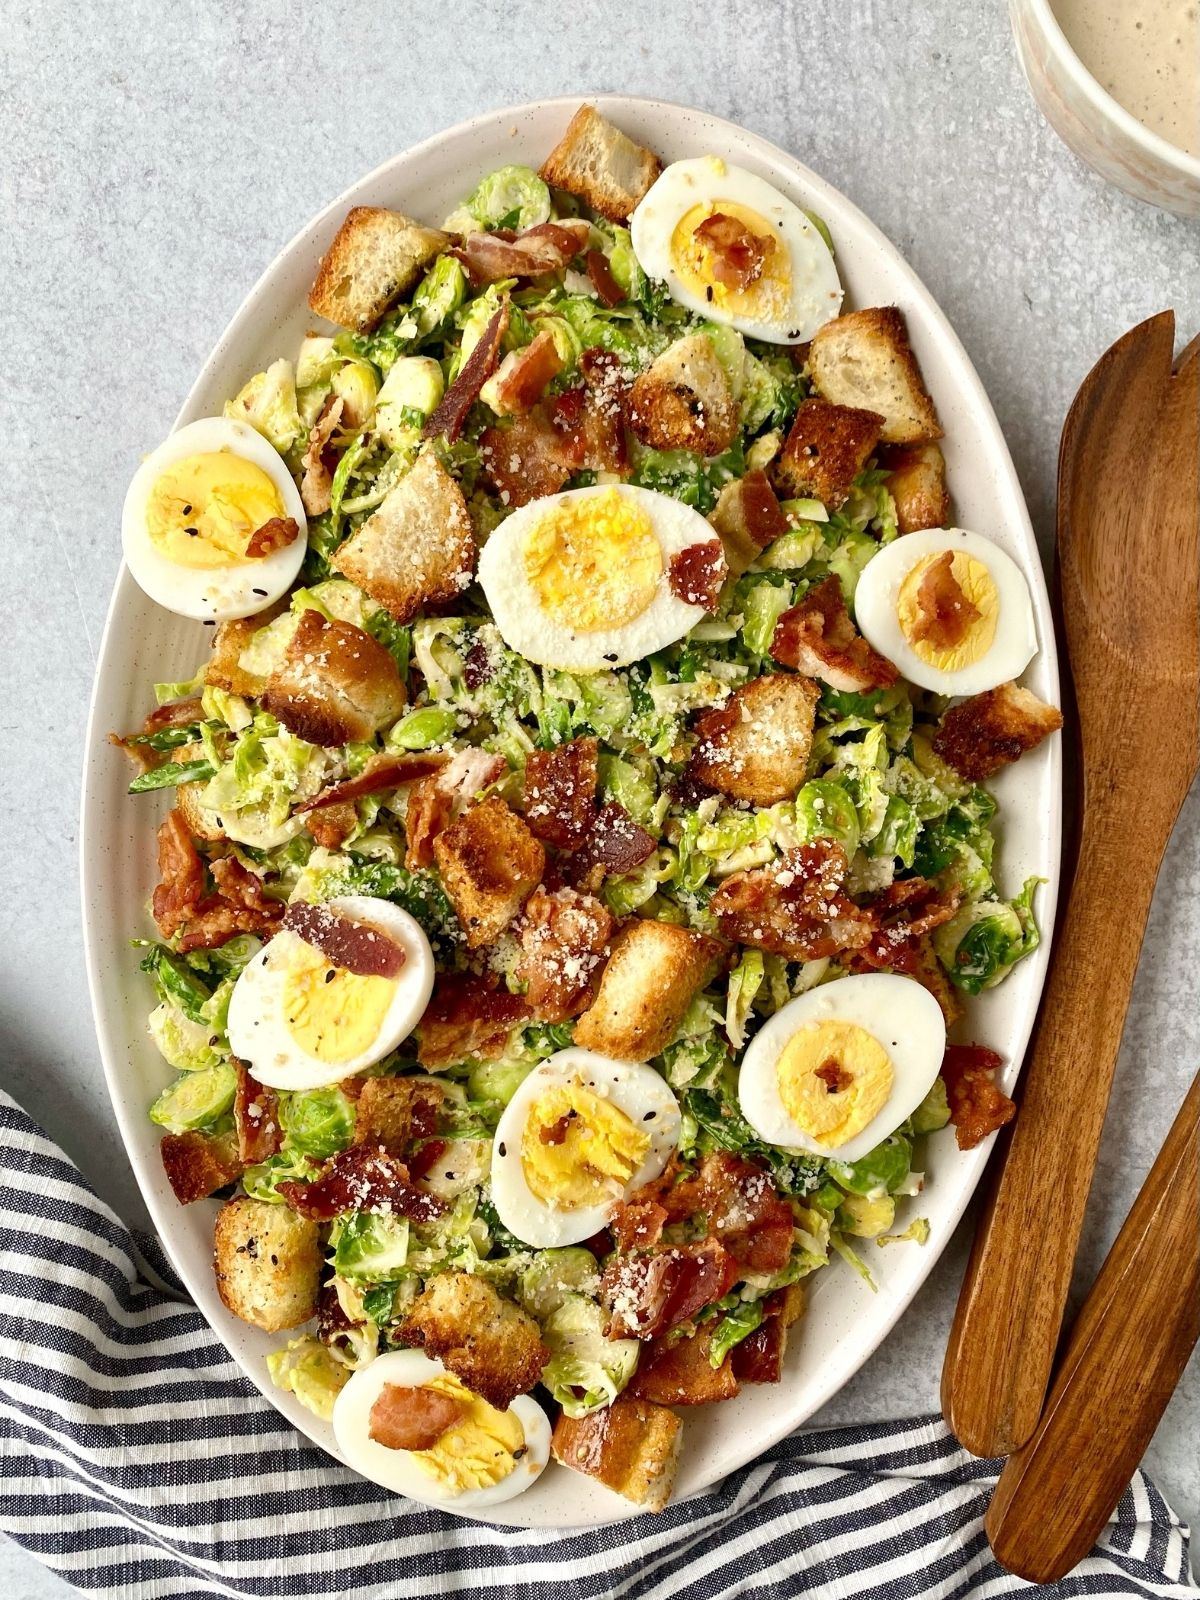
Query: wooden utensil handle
[
  {"x": 1006, "y": 1326},
  {"x": 1126, "y": 1352}
]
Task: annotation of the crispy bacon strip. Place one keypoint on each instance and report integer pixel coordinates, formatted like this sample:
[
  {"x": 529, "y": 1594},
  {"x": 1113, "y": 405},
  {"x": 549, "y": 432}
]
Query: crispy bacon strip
[
  {"x": 274, "y": 535},
  {"x": 332, "y": 825},
  {"x": 615, "y": 843},
  {"x": 357, "y": 947},
  {"x": 548, "y": 247},
  {"x": 412, "y": 1419},
  {"x": 817, "y": 637},
  {"x": 902, "y": 914},
  {"x": 181, "y": 874},
  {"x": 647, "y": 1295},
  {"x": 605, "y": 285},
  {"x": 317, "y": 483},
  {"x": 524, "y": 461},
  {"x": 382, "y": 771},
  {"x": 737, "y": 1199},
  {"x": 467, "y": 1016},
  {"x": 796, "y": 907},
  {"x": 240, "y": 905},
  {"x": 560, "y": 792},
  {"x": 523, "y": 377},
  {"x": 564, "y": 938},
  {"x": 434, "y": 802},
  {"x": 679, "y": 1372},
  {"x": 451, "y": 412},
  {"x": 977, "y": 1105},
  {"x": 697, "y": 573},
  {"x": 256, "y": 1118},
  {"x": 944, "y": 613},
  {"x": 361, "y": 1179},
  {"x": 736, "y": 253}
]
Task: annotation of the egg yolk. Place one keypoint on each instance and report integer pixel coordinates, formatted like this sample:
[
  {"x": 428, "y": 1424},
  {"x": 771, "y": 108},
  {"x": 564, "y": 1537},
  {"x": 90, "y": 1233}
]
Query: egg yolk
[
  {"x": 578, "y": 1149},
  {"x": 948, "y": 608},
  {"x": 202, "y": 510},
  {"x": 834, "y": 1078},
  {"x": 594, "y": 562},
  {"x": 478, "y": 1450},
  {"x": 767, "y": 298},
  {"x": 333, "y": 1014}
]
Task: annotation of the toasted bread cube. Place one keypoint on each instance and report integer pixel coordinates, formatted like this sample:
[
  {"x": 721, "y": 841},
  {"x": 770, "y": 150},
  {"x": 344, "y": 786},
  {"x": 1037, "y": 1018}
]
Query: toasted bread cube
[
  {"x": 230, "y": 639},
  {"x": 651, "y": 976},
  {"x": 268, "y": 1263},
  {"x": 756, "y": 746},
  {"x": 991, "y": 730},
  {"x": 198, "y": 1164},
  {"x": 493, "y": 1346},
  {"x": 334, "y": 684},
  {"x": 490, "y": 863},
  {"x": 631, "y": 1446},
  {"x": 826, "y": 449},
  {"x": 201, "y": 823},
  {"x": 396, "y": 1112},
  {"x": 916, "y": 480},
  {"x": 930, "y": 973},
  {"x": 601, "y": 165},
  {"x": 747, "y": 517},
  {"x": 417, "y": 550},
  {"x": 683, "y": 400},
  {"x": 376, "y": 256},
  {"x": 864, "y": 359}
]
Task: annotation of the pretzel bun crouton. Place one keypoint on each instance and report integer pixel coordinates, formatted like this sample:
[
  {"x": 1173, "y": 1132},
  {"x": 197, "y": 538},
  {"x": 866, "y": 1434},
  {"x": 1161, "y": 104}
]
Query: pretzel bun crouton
[
  {"x": 376, "y": 256},
  {"x": 268, "y": 1263},
  {"x": 600, "y": 165},
  {"x": 493, "y": 1346},
  {"x": 335, "y": 683},
  {"x": 864, "y": 359},
  {"x": 654, "y": 971},
  {"x": 631, "y": 1446},
  {"x": 490, "y": 863},
  {"x": 755, "y": 747}
]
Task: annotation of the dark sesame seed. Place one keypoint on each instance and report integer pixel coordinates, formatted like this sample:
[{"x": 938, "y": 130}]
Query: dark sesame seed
[
  {"x": 192, "y": 533},
  {"x": 187, "y": 511}
]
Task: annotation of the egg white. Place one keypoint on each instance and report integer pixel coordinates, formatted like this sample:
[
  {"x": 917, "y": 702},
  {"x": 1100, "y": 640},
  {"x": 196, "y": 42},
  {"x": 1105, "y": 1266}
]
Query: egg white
[
  {"x": 817, "y": 292},
  {"x": 901, "y": 1014},
  {"x": 526, "y": 628},
  {"x": 395, "y": 1469},
  {"x": 878, "y": 593},
  {"x": 638, "y": 1091},
  {"x": 258, "y": 1031},
  {"x": 211, "y": 594}
]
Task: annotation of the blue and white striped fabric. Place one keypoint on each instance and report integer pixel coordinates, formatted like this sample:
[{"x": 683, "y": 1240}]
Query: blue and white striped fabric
[{"x": 138, "y": 1461}]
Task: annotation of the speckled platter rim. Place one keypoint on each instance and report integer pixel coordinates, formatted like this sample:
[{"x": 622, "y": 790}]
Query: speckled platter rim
[{"x": 845, "y": 1322}]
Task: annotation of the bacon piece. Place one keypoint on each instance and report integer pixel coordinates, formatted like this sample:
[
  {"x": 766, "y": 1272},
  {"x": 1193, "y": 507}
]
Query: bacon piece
[
  {"x": 316, "y": 485},
  {"x": 467, "y": 1016},
  {"x": 600, "y": 440},
  {"x": 240, "y": 905},
  {"x": 178, "y": 714},
  {"x": 902, "y": 914},
  {"x": 451, "y": 412},
  {"x": 382, "y": 771},
  {"x": 357, "y": 947},
  {"x": 524, "y": 461},
  {"x": 737, "y": 1199},
  {"x": 198, "y": 1164},
  {"x": 758, "y": 1358},
  {"x": 679, "y": 1372},
  {"x": 736, "y": 253},
  {"x": 434, "y": 802},
  {"x": 564, "y": 937},
  {"x": 944, "y": 613},
  {"x": 817, "y": 637},
  {"x": 423, "y": 1161},
  {"x": 274, "y": 535},
  {"x": 560, "y": 792},
  {"x": 333, "y": 824},
  {"x": 977, "y": 1105},
  {"x": 696, "y": 574},
  {"x": 256, "y": 1118},
  {"x": 412, "y": 1419},
  {"x": 796, "y": 907},
  {"x": 615, "y": 844},
  {"x": 523, "y": 377},
  {"x": 181, "y": 874},
  {"x": 361, "y": 1179},
  {"x": 478, "y": 668},
  {"x": 648, "y": 1295},
  {"x": 605, "y": 285},
  {"x": 747, "y": 517},
  {"x": 548, "y": 247}
]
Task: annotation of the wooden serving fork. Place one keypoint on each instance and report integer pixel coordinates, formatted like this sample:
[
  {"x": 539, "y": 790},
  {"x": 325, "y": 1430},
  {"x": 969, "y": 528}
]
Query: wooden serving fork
[{"x": 1129, "y": 578}]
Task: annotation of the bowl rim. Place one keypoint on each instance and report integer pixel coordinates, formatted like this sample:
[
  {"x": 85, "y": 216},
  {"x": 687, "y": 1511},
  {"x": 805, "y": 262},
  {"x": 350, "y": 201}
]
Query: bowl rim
[{"x": 1136, "y": 131}]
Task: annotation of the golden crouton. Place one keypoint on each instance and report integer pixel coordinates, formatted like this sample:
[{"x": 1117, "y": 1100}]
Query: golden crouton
[
  {"x": 201, "y": 823},
  {"x": 916, "y": 480},
  {"x": 991, "y": 730},
  {"x": 755, "y": 747},
  {"x": 376, "y": 256},
  {"x": 648, "y": 983},
  {"x": 864, "y": 359},
  {"x": 601, "y": 165},
  {"x": 930, "y": 973},
  {"x": 631, "y": 1446},
  {"x": 683, "y": 400},
  {"x": 490, "y": 863},
  {"x": 335, "y": 683},
  {"x": 748, "y": 518},
  {"x": 417, "y": 550},
  {"x": 230, "y": 640},
  {"x": 268, "y": 1263},
  {"x": 396, "y": 1112},
  {"x": 827, "y": 447},
  {"x": 198, "y": 1164},
  {"x": 492, "y": 1345}
]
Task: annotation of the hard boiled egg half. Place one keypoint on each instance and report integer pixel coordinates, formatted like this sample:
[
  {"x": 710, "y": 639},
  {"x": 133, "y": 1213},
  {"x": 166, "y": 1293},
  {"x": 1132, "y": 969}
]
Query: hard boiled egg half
[
  {"x": 213, "y": 526},
  {"x": 950, "y": 609},
  {"x": 406, "y": 1423},
  {"x": 580, "y": 1133},
  {"x": 733, "y": 249},
  {"x": 331, "y": 994},
  {"x": 583, "y": 580},
  {"x": 836, "y": 1070}
]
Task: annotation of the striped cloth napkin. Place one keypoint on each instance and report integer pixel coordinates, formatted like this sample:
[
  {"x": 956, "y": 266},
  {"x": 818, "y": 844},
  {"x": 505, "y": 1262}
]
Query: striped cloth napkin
[{"x": 138, "y": 1461}]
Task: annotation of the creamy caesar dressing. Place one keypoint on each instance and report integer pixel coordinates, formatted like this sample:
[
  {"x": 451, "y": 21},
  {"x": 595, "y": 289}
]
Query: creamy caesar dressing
[{"x": 1146, "y": 54}]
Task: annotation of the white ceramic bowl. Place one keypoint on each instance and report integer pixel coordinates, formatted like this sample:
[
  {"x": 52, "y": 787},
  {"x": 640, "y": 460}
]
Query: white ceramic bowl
[
  {"x": 1099, "y": 130},
  {"x": 141, "y": 643}
]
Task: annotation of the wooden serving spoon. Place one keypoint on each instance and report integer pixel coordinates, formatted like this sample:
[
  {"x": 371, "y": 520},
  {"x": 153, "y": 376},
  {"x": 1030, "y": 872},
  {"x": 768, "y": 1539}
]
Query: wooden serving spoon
[
  {"x": 1129, "y": 576},
  {"x": 1127, "y": 1351}
]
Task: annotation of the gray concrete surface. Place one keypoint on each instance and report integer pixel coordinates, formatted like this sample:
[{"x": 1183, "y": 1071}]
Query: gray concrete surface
[{"x": 154, "y": 160}]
